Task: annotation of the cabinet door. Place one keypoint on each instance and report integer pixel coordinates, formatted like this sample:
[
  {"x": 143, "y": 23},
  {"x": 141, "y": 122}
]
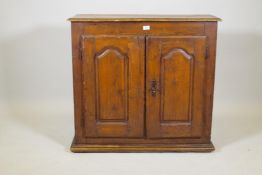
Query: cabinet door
[
  {"x": 113, "y": 86},
  {"x": 175, "y": 86}
]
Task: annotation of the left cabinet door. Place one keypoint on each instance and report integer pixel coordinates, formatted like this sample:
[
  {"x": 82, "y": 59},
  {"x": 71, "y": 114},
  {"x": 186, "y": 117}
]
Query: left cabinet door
[{"x": 113, "y": 85}]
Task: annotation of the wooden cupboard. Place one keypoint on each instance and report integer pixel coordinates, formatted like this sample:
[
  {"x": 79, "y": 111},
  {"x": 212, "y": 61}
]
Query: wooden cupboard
[{"x": 143, "y": 83}]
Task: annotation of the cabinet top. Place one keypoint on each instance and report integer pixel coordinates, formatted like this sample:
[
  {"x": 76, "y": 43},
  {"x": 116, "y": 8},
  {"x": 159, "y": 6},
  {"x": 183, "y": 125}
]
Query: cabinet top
[{"x": 141, "y": 18}]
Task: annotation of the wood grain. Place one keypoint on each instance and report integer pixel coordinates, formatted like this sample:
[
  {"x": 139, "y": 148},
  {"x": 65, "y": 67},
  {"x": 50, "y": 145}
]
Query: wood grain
[
  {"x": 118, "y": 17},
  {"x": 91, "y": 148},
  {"x": 113, "y": 89},
  {"x": 114, "y": 64},
  {"x": 177, "y": 111},
  {"x": 136, "y": 28}
]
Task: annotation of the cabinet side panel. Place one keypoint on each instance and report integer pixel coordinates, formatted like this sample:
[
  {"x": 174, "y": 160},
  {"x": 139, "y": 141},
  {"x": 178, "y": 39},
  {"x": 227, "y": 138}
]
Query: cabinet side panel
[
  {"x": 211, "y": 33},
  {"x": 76, "y": 30}
]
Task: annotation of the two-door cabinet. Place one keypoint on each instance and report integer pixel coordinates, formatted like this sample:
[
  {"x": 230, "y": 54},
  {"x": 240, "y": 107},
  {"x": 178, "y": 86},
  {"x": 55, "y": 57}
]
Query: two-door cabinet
[{"x": 143, "y": 83}]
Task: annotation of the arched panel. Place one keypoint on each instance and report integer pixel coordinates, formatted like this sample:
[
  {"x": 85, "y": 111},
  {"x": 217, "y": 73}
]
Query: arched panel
[
  {"x": 176, "y": 76},
  {"x": 112, "y": 88},
  {"x": 111, "y": 85},
  {"x": 177, "y": 64}
]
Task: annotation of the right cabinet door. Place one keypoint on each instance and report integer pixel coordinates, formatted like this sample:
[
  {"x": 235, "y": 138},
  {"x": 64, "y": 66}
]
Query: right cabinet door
[{"x": 175, "y": 76}]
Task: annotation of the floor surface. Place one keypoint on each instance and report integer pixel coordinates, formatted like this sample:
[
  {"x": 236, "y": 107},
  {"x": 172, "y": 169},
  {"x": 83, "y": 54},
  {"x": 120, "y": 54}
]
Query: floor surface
[{"x": 37, "y": 142}]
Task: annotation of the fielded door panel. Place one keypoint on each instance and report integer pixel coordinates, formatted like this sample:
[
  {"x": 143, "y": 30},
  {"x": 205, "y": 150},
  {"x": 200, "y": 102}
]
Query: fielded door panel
[
  {"x": 113, "y": 85},
  {"x": 175, "y": 74}
]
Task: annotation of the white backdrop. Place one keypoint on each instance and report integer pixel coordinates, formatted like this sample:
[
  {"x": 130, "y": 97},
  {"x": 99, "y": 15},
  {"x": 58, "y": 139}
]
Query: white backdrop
[
  {"x": 35, "y": 63},
  {"x": 36, "y": 51}
]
